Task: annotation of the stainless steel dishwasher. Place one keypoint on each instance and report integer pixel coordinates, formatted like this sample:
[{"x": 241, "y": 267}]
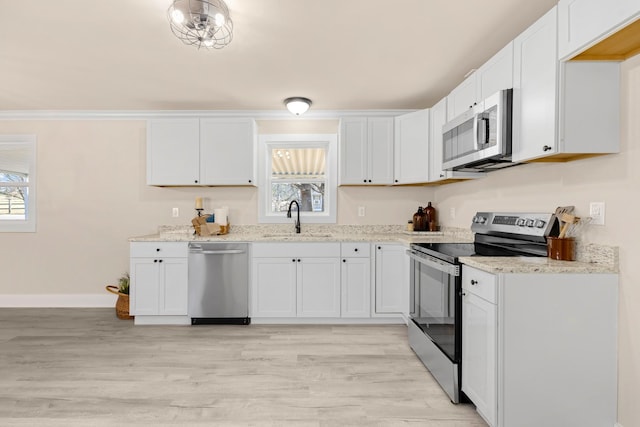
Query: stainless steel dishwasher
[{"x": 219, "y": 283}]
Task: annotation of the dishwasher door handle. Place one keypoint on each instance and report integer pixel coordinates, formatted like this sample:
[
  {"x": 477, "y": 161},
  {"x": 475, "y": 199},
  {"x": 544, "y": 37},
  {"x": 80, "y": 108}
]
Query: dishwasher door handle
[{"x": 219, "y": 252}]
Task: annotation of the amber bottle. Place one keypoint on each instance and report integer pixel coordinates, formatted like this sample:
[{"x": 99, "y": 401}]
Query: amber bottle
[
  {"x": 430, "y": 212},
  {"x": 420, "y": 220}
]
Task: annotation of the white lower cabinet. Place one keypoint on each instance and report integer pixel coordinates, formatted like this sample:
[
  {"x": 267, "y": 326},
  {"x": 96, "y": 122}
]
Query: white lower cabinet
[
  {"x": 391, "y": 281},
  {"x": 159, "y": 279},
  {"x": 355, "y": 278},
  {"x": 540, "y": 349},
  {"x": 273, "y": 292},
  {"x": 479, "y": 362},
  {"x": 295, "y": 280},
  {"x": 318, "y": 287}
]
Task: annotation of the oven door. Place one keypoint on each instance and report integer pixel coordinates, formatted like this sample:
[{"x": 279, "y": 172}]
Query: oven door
[{"x": 436, "y": 302}]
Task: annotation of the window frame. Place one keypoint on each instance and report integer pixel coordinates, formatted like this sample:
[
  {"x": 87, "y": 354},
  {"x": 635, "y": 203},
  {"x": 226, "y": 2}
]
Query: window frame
[
  {"x": 265, "y": 143},
  {"x": 28, "y": 225}
]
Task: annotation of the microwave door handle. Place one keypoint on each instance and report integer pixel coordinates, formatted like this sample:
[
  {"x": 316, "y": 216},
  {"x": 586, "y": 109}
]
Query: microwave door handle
[
  {"x": 484, "y": 128},
  {"x": 481, "y": 131},
  {"x": 476, "y": 143}
]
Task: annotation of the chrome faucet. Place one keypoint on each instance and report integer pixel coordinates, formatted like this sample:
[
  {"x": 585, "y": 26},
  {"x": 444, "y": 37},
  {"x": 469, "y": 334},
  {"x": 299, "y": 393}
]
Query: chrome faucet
[{"x": 298, "y": 219}]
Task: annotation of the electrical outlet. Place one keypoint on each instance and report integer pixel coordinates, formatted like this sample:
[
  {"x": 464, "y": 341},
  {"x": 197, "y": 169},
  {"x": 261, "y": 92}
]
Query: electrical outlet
[
  {"x": 175, "y": 213},
  {"x": 360, "y": 210},
  {"x": 452, "y": 213},
  {"x": 596, "y": 212}
]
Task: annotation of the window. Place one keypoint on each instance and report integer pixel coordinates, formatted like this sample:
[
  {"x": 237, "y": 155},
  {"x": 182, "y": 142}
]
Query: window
[
  {"x": 301, "y": 168},
  {"x": 17, "y": 183}
]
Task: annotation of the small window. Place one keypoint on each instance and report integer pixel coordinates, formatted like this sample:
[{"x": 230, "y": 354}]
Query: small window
[
  {"x": 17, "y": 183},
  {"x": 300, "y": 168}
]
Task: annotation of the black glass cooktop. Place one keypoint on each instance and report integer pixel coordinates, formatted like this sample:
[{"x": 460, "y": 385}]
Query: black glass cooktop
[{"x": 450, "y": 252}]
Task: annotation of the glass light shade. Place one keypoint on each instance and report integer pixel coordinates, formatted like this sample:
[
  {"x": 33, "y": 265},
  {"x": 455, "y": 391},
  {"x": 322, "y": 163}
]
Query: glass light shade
[
  {"x": 201, "y": 23},
  {"x": 297, "y": 105}
]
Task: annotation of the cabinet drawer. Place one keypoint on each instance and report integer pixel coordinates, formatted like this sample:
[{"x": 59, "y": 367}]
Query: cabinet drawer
[
  {"x": 480, "y": 283},
  {"x": 295, "y": 250},
  {"x": 355, "y": 250},
  {"x": 159, "y": 249}
]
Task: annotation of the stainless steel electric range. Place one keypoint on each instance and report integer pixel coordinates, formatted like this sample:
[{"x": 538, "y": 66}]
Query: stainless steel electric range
[{"x": 435, "y": 326}]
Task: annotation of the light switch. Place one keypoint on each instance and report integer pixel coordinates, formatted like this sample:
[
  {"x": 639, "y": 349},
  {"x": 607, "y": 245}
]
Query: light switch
[
  {"x": 176, "y": 212},
  {"x": 596, "y": 212}
]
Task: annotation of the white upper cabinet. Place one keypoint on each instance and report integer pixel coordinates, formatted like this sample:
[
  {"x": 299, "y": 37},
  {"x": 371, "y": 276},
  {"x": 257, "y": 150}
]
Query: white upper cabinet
[
  {"x": 581, "y": 23},
  {"x": 227, "y": 151},
  {"x": 438, "y": 118},
  {"x": 366, "y": 151},
  {"x": 173, "y": 147},
  {"x": 201, "y": 151},
  {"x": 535, "y": 89},
  {"x": 462, "y": 97},
  {"x": 554, "y": 111},
  {"x": 412, "y": 148},
  {"x": 495, "y": 74}
]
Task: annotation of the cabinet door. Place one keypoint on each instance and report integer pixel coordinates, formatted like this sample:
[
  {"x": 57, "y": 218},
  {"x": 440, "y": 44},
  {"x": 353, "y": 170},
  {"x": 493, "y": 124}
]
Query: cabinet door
[
  {"x": 479, "y": 358},
  {"x": 438, "y": 118},
  {"x": 535, "y": 90},
  {"x": 144, "y": 290},
  {"x": 495, "y": 74},
  {"x": 380, "y": 135},
  {"x": 353, "y": 151},
  {"x": 582, "y": 23},
  {"x": 227, "y": 151},
  {"x": 318, "y": 287},
  {"x": 173, "y": 152},
  {"x": 391, "y": 279},
  {"x": 356, "y": 287},
  {"x": 411, "y": 146},
  {"x": 173, "y": 287},
  {"x": 273, "y": 292},
  {"x": 462, "y": 97}
]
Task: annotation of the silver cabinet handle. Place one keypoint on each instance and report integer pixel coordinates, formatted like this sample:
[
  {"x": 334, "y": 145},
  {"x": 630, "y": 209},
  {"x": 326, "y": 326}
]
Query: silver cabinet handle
[{"x": 220, "y": 252}]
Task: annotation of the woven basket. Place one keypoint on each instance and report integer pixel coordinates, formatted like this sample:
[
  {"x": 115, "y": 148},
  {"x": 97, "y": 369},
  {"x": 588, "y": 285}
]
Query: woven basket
[{"x": 122, "y": 304}]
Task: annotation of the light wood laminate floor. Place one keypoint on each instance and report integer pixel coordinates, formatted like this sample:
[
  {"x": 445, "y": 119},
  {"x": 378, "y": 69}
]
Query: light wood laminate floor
[{"x": 84, "y": 367}]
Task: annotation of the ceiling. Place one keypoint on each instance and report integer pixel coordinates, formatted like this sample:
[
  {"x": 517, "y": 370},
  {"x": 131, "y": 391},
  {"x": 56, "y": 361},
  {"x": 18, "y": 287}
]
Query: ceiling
[{"x": 343, "y": 54}]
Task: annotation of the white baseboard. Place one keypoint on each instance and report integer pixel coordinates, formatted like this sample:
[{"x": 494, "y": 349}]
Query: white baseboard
[
  {"x": 162, "y": 320},
  {"x": 617, "y": 425},
  {"x": 58, "y": 300}
]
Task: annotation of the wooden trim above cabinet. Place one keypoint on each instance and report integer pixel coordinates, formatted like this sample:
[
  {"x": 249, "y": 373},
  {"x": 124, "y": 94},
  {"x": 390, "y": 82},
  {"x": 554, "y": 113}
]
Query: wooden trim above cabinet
[
  {"x": 566, "y": 157},
  {"x": 619, "y": 46}
]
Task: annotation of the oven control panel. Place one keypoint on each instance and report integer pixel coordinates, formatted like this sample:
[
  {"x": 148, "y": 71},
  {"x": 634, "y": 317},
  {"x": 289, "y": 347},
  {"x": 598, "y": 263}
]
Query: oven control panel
[{"x": 530, "y": 224}]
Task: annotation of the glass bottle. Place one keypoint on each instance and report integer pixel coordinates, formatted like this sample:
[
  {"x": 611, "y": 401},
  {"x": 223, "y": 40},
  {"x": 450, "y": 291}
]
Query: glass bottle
[
  {"x": 430, "y": 211},
  {"x": 420, "y": 220}
]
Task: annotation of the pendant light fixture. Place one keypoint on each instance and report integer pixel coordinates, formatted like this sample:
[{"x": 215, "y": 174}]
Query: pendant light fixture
[
  {"x": 297, "y": 105},
  {"x": 201, "y": 23}
]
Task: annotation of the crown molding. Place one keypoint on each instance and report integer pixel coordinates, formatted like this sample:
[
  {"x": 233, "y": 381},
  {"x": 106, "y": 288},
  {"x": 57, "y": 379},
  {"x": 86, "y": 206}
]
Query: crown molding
[{"x": 158, "y": 114}]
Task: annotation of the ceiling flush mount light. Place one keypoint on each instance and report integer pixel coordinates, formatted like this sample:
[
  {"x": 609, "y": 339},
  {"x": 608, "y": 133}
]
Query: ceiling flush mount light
[
  {"x": 297, "y": 104},
  {"x": 201, "y": 23}
]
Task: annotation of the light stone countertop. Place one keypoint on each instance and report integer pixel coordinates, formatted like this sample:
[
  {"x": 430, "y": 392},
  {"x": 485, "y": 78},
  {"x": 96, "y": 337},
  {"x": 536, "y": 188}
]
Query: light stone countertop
[
  {"x": 591, "y": 258},
  {"x": 542, "y": 265},
  {"x": 402, "y": 238}
]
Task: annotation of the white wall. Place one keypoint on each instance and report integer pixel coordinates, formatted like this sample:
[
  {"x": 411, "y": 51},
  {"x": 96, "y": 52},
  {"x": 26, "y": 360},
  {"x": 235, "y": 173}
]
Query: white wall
[
  {"x": 92, "y": 197},
  {"x": 613, "y": 179}
]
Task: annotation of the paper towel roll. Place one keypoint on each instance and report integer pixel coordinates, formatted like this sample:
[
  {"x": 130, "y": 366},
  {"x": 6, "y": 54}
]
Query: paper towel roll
[{"x": 221, "y": 215}]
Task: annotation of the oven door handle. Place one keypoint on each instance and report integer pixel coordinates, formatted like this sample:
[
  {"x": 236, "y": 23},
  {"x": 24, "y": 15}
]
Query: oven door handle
[{"x": 445, "y": 267}]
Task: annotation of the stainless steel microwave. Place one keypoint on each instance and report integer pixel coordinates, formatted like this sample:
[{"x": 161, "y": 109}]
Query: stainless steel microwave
[{"x": 480, "y": 138}]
